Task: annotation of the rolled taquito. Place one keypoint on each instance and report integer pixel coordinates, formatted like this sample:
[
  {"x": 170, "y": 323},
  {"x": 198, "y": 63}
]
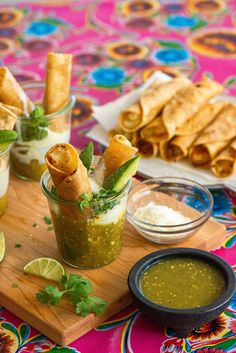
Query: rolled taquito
[
  {"x": 182, "y": 107},
  {"x": 150, "y": 104},
  {"x": 177, "y": 148},
  {"x": 215, "y": 137},
  {"x": 131, "y": 136},
  {"x": 67, "y": 171},
  {"x": 12, "y": 94},
  {"x": 147, "y": 149},
  {"x": 224, "y": 164},
  {"x": 7, "y": 118},
  {"x": 58, "y": 78},
  {"x": 117, "y": 153}
]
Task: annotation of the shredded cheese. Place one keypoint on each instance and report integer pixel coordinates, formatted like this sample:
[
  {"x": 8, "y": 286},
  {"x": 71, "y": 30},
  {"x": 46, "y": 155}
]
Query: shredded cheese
[{"x": 160, "y": 215}]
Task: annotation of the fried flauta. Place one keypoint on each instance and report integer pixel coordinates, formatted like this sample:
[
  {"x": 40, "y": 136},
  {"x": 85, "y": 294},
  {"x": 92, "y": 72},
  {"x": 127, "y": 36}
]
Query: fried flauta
[
  {"x": 178, "y": 147},
  {"x": 58, "y": 80},
  {"x": 12, "y": 94},
  {"x": 7, "y": 118},
  {"x": 184, "y": 105},
  {"x": 117, "y": 153},
  {"x": 215, "y": 137},
  {"x": 147, "y": 149},
  {"x": 224, "y": 164},
  {"x": 131, "y": 136},
  {"x": 68, "y": 172},
  {"x": 153, "y": 131},
  {"x": 151, "y": 101}
]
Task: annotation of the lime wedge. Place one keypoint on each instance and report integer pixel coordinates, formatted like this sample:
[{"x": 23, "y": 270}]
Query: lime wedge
[
  {"x": 45, "y": 267},
  {"x": 6, "y": 138},
  {"x": 2, "y": 246}
]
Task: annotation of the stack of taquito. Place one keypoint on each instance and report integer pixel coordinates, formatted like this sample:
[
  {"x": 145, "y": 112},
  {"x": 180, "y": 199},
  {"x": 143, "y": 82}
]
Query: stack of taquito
[
  {"x": 177, "y": 119},
  {"x": 14, "y": 102}
]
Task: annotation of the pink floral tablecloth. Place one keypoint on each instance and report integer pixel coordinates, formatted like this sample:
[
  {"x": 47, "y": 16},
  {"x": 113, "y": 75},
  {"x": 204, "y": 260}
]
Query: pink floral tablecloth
[{"x": 116, "y": 46}]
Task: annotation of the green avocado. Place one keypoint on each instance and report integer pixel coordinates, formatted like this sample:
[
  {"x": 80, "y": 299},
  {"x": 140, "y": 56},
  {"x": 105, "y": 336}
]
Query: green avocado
[{"x": 119, "y": 178}]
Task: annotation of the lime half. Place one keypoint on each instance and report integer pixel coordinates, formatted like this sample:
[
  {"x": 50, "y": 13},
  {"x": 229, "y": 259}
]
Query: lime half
[
  {"x": 2, "y": 246},
  {"x": 45, "y": 267},
  {"x": 6, "y": 138}
]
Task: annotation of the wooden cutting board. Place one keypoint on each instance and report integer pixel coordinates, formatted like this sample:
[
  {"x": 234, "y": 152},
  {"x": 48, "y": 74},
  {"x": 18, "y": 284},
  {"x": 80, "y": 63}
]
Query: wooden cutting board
[{"x": 27, "y": 205}]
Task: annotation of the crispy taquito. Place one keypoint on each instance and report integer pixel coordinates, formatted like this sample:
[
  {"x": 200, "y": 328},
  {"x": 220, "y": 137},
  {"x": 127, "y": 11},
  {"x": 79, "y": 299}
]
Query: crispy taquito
[
  {"x": 224, "y": 164},
  {"x": 147, "y": 149},
  {"x": 67, "y": 171},
  {"x": 150, "y": 104},
  {"x": 7, "y": 118},
  {"x": 58, "y": 77},
  {"x": 177, "y": 148},
  {"x": 12, "y": 94},
  {"x": 215, "y": 137},
  {"x": 182, "y": 107}
]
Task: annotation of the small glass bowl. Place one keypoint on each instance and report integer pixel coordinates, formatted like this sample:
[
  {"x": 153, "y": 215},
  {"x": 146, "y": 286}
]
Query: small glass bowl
[{"x": 186, "y": 196}]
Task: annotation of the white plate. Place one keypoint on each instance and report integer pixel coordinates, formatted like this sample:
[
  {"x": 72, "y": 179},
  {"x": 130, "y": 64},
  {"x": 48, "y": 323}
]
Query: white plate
[{"x": 107, "y": 115}]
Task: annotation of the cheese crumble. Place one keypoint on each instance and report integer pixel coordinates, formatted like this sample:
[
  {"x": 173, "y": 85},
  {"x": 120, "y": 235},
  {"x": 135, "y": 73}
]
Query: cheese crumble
[{"x": 160, "y": 215}]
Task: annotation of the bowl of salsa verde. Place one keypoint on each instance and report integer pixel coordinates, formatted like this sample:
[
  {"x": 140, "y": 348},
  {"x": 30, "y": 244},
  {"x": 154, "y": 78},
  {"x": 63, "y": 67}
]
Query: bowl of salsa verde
[{"x": 182, "y": 287}]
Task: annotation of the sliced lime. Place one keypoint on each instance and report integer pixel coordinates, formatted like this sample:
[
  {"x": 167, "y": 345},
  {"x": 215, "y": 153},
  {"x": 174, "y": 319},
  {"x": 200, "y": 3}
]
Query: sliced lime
[
  {"x": 45, "y": 267},
  {"x": 2, "y": 246},
  {"x": 6, "y": 138}
]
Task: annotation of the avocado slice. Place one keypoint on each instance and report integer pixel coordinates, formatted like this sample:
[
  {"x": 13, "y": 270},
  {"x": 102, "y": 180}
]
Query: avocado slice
[{"x": 119, "y": 178}]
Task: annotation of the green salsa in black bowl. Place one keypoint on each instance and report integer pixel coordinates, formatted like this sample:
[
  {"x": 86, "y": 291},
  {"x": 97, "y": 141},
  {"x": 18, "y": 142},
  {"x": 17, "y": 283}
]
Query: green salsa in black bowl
[{"x": 182, "y": 288}]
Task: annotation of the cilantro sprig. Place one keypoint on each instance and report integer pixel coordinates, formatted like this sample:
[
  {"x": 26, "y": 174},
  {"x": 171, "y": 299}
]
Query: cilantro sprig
[
  {"x": 77, "y": 289},
  {"x": 34, "y": 127}
]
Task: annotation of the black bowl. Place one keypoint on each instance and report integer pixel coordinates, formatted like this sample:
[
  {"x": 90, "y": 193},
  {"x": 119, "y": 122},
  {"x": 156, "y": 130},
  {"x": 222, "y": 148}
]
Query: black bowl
[{"x": 182, "y": 321}]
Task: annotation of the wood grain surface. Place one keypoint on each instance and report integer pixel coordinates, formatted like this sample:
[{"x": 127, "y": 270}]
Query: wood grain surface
[{"x": 27, "y": 205}]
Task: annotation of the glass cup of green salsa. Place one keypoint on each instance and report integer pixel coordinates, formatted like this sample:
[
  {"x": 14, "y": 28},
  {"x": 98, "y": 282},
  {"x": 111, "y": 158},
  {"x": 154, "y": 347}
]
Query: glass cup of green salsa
[
  {"x": 27, "y": 153},
  {"x": 89, "y": 237},
  {"x": 4, "y": 179}
]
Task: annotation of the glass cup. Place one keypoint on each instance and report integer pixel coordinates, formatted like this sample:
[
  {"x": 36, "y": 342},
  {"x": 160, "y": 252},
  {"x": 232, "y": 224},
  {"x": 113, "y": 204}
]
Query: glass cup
[
  {"x": 90, "y": 238},
  {"x": 4, "y": 179},
  {"x": 27, "y": 155}
]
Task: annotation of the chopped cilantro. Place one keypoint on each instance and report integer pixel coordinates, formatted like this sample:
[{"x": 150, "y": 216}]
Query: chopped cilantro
[
  {"x": 14, "y": 285},
  {"x": 47, "y": 220},
  {"x": 34, "y": 127},
  {"x": 35, "y": 225},
  {"x": 50, "y": 228},
  {"x": 84, "y": 201},
  {"x": 17, "y": 245}
]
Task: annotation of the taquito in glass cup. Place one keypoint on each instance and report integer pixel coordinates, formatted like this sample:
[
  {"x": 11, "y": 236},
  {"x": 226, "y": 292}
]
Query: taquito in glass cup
[
  {"x": 91, "y": 237},
  {"x": 4, "y": 179},
  {"x": 27, "y": 155}
]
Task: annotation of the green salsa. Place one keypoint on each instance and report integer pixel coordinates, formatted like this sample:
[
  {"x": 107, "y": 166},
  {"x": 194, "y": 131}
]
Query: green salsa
[
  {"x": 33, "y": 170},
  {"x": 182, "y": 283},
  {"x": 86, "y": 243}
]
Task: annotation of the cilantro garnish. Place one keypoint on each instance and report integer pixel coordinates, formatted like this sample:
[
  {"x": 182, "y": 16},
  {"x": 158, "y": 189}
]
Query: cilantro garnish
[
  {"x": 102, "y": 196},
  {"x": 50, "y": 228},
  {"x": 47, "y": 220},
  {"x": 84, "y": 201},
  {"x": 33, "y": 128},
  {"x": 14, "y": 285},
  {"x": 77, "y": 289},
  {"x": 35, "y": 225},
  {"x": 17, "y": 245}
]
